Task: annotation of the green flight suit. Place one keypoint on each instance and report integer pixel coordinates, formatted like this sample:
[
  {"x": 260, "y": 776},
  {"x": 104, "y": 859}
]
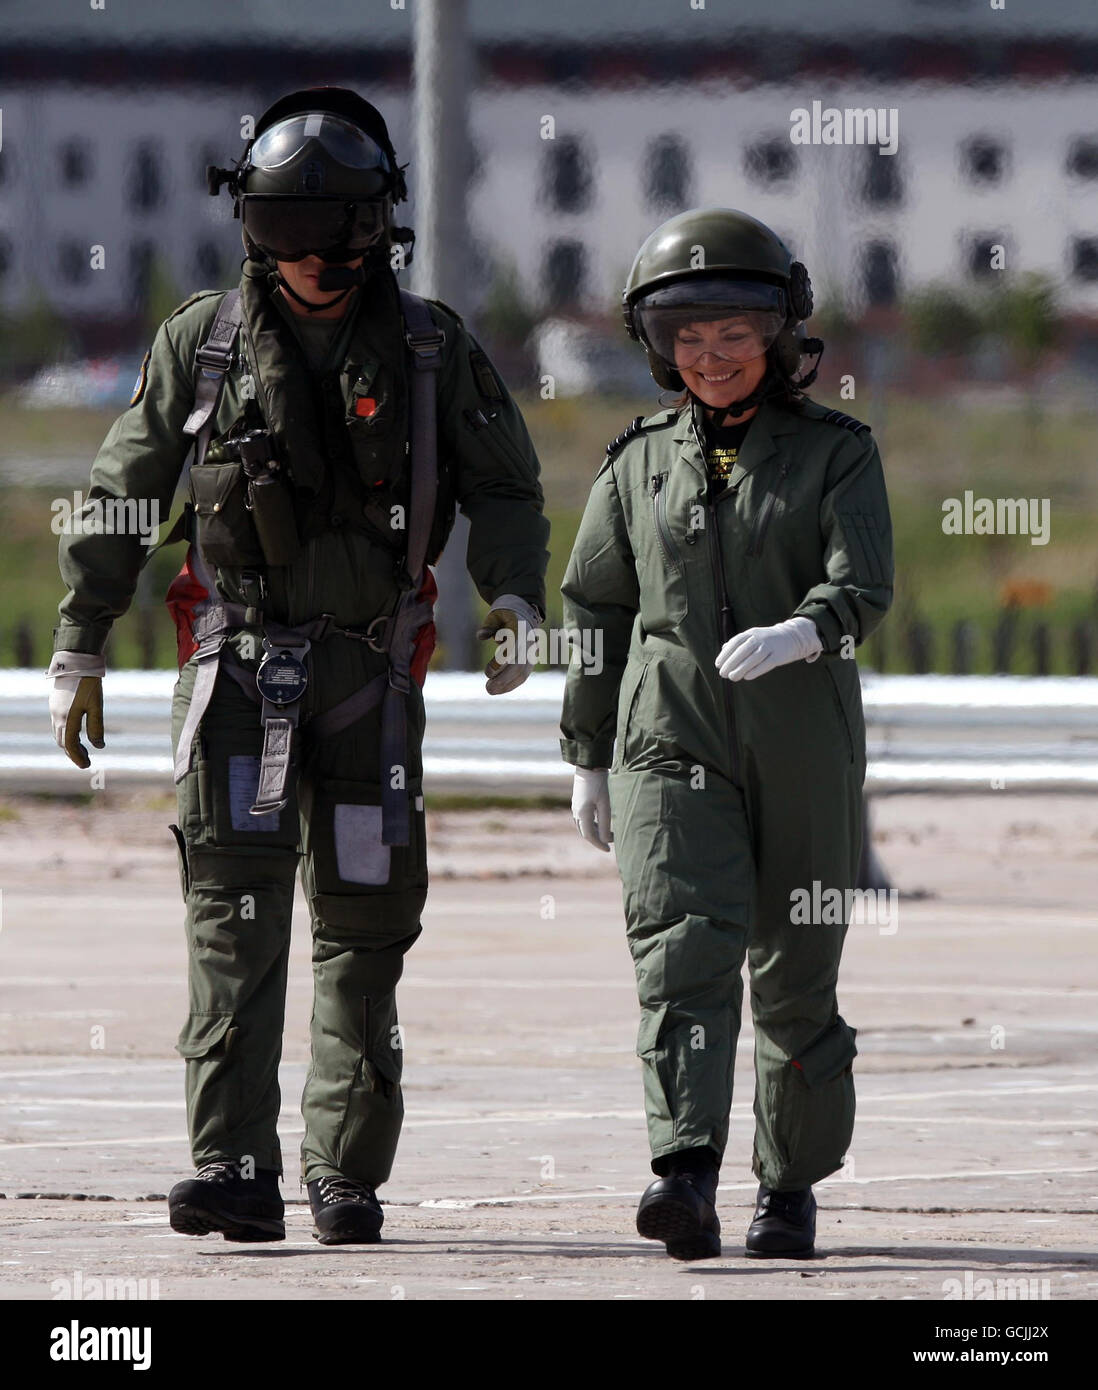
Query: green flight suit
[
  {"x": 238, "y": 871},
  {"x": 727, "y": 797}
]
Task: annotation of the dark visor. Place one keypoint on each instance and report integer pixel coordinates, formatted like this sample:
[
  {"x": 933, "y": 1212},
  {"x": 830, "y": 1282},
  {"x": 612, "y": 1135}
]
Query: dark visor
[{"x": 291, "y": 228}]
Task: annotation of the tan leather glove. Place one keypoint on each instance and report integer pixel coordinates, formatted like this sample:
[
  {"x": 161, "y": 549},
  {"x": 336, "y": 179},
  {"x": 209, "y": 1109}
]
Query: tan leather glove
[
  {"x": 513, "y": 615},
  {"x": 77, "y": 693}
]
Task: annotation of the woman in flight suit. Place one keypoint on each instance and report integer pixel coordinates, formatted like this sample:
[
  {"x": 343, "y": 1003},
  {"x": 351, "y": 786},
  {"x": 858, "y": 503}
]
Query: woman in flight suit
[{"x": 734, "y": 551}]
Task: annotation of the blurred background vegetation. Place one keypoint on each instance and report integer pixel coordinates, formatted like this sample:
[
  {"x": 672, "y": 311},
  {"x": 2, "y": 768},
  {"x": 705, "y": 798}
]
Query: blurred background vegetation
[{"x": 965, "y": 389}]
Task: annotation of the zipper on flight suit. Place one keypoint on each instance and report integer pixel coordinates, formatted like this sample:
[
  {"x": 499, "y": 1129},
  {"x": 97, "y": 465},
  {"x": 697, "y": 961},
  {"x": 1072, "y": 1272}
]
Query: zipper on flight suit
[
  {"x": 716, "y": 558},
  {"x": 755, "y": 548},
  {"x": 726, "y": 625},
  {"x": 663, "y": 531}
]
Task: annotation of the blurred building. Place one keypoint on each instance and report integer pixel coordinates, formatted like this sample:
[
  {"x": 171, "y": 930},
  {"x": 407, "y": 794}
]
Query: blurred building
[{"x": 110, "y": 116}]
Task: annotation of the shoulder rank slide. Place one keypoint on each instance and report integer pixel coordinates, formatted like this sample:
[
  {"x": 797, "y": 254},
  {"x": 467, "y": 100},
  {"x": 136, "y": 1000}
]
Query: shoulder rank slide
[
  {"x": 631, "y": 430},
  {"x": 848, "y": 422}
]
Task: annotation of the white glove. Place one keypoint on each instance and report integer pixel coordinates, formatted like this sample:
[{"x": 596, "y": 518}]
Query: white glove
[
  {"x": 591, "y": 806},
  {"x": 516, "y": 621},
  {"x": 752, "y": 653},
  {"x": 77, "y": 691}
]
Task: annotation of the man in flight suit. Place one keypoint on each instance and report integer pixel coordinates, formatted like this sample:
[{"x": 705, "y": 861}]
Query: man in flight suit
[{"x": 337, "y": 422}]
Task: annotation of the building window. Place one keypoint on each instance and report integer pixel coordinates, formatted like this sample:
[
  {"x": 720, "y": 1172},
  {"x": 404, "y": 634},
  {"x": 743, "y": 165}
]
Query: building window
[
  {"x": 146, "y": 189},
  {"x": 882, "y": 183},
  {"x": 1082, "y": 157},
  {"x": 567, "y": 175},
  {"x": 770, "y": 161},
  {"x": 141, "y": 263},
  {"x": 74, "y": 159},
  {"x": 5, "y": 256},
  {"x": 207, "y": 262},
  {"x": 73, "y": 263},
  {"x": 984, "y": 161},
  {"x": 565, "y": 270},
  {"x": 979, "y": 251},
  {"x": 667, "y": 174},
  {"x": 880, "y": 274},
  {"x": 1084, "y": 257}
]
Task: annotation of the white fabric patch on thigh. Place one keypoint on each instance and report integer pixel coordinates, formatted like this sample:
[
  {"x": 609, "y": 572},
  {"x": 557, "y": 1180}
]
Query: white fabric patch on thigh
[
  {"x": 360, "y": 855},
  {"x": 243, "y": 785}
]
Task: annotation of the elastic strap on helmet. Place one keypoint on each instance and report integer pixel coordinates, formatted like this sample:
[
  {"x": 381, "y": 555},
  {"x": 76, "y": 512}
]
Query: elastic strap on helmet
[{"x": 308, "y": 303}]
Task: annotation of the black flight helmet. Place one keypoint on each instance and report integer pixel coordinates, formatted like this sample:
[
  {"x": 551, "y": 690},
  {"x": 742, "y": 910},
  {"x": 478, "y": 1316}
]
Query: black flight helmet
[{"x": 318, "y": 178}]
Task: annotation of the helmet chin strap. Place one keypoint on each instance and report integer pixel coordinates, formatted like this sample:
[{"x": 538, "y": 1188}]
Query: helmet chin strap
[
  {"x": 308, "y": 303},
  {"x": 332, "y": 277}
]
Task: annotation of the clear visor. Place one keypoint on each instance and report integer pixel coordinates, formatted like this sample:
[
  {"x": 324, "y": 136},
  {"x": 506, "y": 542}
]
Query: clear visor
[
  {"x": 289, "y": 229},
  {"x": 733, "y": 320},
  {"x": 345, "y": 143}
]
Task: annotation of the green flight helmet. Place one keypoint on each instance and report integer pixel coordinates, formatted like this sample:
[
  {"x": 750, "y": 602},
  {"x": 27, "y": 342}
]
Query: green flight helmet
[{"x": 716, "y": 263}]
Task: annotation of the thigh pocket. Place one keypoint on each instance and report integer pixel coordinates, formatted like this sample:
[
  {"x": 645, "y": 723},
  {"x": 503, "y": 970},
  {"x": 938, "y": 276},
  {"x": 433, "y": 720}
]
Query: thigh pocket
[
  {"x": 206, "y": 1035},
  {"x": 829, "y": 1056},
  {"x": 840, "y": 709},
  {"x": 657, "y": 1081},
  {"x": 628, "y": 737},
  {"x": 226, "y": 785},
  {"x": 345, "y": 844},
  {"x": 815, "y": 1116},
  {"x": 206, "y": 1042}
]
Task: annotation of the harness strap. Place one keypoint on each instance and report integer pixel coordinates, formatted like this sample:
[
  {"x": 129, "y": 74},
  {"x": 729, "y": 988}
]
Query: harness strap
[
  {"x": 349, "y": 711},
  {"x": 424, "y": 340},
  {"x": 209, "y": 659},
  {"x": 213, "y": 360}
]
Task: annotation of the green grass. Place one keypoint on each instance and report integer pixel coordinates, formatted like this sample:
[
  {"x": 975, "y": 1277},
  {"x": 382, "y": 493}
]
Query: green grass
[{"x": 931, "y": 450}]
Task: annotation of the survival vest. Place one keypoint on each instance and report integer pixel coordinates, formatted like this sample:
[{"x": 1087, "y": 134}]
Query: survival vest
[{"x": 221, "y": 505}]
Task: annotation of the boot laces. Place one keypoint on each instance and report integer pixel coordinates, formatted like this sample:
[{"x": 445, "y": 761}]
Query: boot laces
[
  {"x": 219, "y": 1170},
  {"x": 345, "y": 1190}
]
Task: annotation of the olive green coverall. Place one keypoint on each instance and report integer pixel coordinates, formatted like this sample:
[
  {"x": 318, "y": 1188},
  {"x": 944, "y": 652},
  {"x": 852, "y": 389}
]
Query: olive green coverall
[
  {"x": 237, "y": 870},
  {"x": 728, "y": 797}
]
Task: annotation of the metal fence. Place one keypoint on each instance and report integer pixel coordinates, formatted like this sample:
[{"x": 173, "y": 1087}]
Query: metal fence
[{"x": 925, "y": 733}]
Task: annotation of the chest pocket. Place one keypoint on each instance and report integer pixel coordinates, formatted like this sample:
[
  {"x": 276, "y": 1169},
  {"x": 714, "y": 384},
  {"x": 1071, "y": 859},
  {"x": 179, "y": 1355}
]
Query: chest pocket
[
  {"x": 374, "y": 416},
  {"x": 662, "y": 567}
]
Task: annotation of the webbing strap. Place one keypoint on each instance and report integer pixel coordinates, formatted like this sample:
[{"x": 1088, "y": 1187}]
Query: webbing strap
[
  {"x": 213, "y": 359},
  {"x": 349, "y": 711},
  {"x": 209, "y": 659},
  {"x": 424, "y": 340}
]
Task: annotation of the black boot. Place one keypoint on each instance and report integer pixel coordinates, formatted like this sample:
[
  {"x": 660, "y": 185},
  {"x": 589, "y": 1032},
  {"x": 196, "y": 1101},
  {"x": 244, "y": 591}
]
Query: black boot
[
  {"x": 217, "y": 1198},
  {"x": 679, "y": 1208},
  {"x": 784, "y": 1224},
  {"x": 345, "y": 1212}
]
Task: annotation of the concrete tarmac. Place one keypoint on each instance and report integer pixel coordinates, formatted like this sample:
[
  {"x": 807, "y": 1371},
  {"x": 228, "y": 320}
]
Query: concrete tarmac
[{"x": 524, "y": 1147}]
